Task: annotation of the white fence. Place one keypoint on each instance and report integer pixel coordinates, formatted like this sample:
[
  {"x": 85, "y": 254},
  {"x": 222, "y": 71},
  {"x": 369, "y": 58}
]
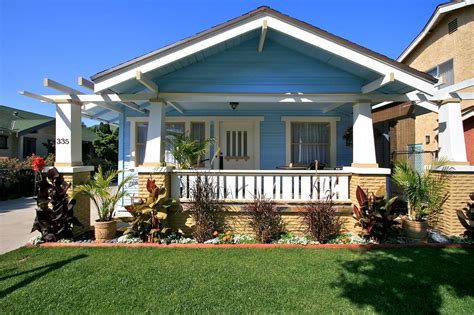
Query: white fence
[{"x": 285, "y": 185}]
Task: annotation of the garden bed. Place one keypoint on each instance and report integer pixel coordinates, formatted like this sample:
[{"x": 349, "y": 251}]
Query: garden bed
[{"x": 260, "y": 246}]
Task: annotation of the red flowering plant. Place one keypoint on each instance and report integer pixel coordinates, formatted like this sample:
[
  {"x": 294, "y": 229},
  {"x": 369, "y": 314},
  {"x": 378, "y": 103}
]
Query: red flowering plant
[{"x": 38, "y": 164}]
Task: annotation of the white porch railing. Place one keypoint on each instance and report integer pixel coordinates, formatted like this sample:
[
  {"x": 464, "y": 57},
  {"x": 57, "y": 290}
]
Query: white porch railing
[{"x": 235, "y": 185}]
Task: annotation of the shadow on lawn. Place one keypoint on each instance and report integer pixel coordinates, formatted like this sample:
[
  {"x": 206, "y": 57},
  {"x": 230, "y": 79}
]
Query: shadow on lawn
[
  {"x": 407, "y": 280},
  {"x": 45, "y": 270}
]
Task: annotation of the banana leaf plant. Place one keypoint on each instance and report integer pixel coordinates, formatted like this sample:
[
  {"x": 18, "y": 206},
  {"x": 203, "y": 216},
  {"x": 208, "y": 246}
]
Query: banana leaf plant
[
  {"x": 466, "y": 218},
  {"x": 149, "y": 217},
  {"x": 375, "y": 215},
  {"x": 54, "y": 214}
]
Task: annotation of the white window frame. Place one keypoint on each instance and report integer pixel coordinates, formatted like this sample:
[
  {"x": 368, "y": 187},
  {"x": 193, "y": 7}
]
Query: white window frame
[
  {"x": 323, "y": 119},
  {"x": 187, "y": 129},
  {"x": 216, "y": 120},
  {"x": 441, "y": 84}
]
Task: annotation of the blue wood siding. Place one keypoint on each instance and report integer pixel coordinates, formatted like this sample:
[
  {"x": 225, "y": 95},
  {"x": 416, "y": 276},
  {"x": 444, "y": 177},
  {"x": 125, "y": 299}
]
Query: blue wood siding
[
  {"x": 277, "y": 69},
  {"x": 272, "y": 130}
]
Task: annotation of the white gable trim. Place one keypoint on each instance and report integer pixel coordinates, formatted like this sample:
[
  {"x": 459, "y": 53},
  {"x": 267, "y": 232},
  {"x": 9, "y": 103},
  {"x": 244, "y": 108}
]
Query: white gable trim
[{"x": 279, "y": 25}]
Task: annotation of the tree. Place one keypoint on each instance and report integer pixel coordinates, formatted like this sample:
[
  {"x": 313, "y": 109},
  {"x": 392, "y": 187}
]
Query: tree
[{"x": 106, "y": 146}]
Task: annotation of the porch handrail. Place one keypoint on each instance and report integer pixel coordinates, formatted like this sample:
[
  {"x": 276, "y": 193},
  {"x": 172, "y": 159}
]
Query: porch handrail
[
  {"x": 279, "y": 185},
  {"x": 264, "y": 172}
]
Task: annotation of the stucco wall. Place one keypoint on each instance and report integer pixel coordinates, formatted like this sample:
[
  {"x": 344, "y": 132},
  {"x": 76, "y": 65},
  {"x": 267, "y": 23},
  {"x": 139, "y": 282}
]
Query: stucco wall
[{"x": 439, "y": 46}]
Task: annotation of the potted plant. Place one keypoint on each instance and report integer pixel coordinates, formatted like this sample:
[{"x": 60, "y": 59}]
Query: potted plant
[
  {"x": 425, "y": 193},
  {"x": 105, "y": 199}
]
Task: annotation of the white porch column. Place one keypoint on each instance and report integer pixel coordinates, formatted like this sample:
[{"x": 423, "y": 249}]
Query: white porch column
[
  {"x": 452, "y": 145},
  {"x": 155, "y": 146},
  {"x": 68, "y": 135},
  {"x": 363, "y": 144}
]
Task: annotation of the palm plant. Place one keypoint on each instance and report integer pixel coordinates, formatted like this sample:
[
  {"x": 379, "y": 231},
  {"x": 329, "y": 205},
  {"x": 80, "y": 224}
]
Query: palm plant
[
  {"x": 104, "y": 198},
  {"x": 425, "y": 191},
  {"x": 188, "y": 151}
]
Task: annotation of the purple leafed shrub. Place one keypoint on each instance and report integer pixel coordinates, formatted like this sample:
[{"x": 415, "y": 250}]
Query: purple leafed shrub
[
  {"x": 321, "y": 219},
  {"x": 265, "y": 219},
  {"x": 54, "y": 214}
]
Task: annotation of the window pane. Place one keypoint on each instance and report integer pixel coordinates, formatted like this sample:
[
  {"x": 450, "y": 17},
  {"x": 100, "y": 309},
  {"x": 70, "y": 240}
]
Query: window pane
[
  {"x": 310, "y": 142},
  {"x": 446, "y": 73},
  {"x": 172, "y": 129},
  {"x": 198, "y": 131},
  {"x": 142, "y": 129}
]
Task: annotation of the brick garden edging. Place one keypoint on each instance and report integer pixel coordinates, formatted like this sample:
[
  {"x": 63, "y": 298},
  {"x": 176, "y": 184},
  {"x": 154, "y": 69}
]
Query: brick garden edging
[{"x": 261, "y": 246}]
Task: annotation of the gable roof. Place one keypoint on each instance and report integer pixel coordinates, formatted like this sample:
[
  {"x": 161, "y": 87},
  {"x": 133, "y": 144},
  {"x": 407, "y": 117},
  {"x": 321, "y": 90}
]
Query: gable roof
[
  {"x": 25, "y": 122},
  {"x": 438, "y": 14},
  {"x": 261, "y": 11}
]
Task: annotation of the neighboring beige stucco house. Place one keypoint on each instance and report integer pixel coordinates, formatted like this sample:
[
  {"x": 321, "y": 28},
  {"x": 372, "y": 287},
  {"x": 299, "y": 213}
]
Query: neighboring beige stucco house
[{"x": 444, "y": 49}]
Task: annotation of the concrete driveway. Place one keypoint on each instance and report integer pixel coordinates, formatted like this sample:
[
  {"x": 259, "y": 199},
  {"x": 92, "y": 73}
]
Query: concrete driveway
[{"x": 16, "y": 220}]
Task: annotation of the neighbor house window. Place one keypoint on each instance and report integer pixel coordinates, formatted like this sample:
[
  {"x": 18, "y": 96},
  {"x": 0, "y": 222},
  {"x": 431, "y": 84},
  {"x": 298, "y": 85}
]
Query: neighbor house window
[
  {"x": 141, "y": 132},
  {"x": 310, "y": 141},
  {"x": 3, "y": 142},
  {"x": 444, "y": 72}
]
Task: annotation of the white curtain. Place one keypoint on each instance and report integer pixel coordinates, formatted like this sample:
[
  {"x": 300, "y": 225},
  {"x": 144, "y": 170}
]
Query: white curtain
[
  {"x": 142, "y": 129},
  {"x": 310, "y": 142}
]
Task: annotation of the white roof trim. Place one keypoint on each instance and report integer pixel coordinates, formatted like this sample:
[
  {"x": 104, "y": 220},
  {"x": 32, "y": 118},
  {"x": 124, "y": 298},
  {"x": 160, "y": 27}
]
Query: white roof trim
[
  {"x": 279, "y": 25},
  {"x": 435, "y": 18}
]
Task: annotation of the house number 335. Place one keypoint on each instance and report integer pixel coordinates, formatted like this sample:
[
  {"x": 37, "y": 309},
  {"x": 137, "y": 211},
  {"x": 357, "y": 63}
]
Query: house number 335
[{"x": 62, "y": 141}]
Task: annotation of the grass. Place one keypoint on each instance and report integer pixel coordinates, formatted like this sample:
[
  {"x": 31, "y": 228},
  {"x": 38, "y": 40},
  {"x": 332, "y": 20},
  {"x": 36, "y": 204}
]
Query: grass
[{"x": 126, "y": 280}]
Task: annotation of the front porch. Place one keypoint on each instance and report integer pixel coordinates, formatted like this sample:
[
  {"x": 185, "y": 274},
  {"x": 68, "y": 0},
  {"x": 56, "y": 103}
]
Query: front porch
[{"x": 272, "y": 92}]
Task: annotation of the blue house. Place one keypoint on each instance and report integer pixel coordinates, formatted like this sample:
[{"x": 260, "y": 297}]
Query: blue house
[{"x": 278, "y": 96}]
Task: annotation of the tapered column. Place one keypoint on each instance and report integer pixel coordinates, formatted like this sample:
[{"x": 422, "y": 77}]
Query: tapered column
[
  {"x": 452, "y": 145},
  {"x": 68, "y": 135},
  {"x": 155, "y": 146},
  {"x": 363, "y": 144}
]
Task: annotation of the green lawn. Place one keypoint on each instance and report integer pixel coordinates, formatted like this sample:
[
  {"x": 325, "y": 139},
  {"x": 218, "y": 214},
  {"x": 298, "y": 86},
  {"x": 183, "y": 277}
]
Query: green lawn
[{"x": 100, "y": 280}]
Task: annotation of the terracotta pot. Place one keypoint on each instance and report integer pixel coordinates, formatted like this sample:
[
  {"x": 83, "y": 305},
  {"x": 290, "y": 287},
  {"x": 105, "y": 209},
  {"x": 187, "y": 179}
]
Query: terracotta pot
[
  {"x": 104, "y": 231},
  {"x": 415, "y": 229}
]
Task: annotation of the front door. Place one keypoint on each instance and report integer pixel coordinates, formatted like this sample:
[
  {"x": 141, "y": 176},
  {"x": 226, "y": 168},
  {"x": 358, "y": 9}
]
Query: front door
[{"x": 237, "y": 145}]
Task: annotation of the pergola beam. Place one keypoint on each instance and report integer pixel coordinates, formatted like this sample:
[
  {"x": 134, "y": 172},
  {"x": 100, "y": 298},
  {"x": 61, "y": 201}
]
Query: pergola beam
[
  {"x": 176, "y": 107},
  {"x": 376, "y": 84},
  {"x": 60, "y": 87},
  {"x": 85, "y": 83},
  {"x": 263, "y": 35},
  {"x": 37, "y": 96},
  {"x": 332, "y": 107},
  {"x": 147, "y": 82}
]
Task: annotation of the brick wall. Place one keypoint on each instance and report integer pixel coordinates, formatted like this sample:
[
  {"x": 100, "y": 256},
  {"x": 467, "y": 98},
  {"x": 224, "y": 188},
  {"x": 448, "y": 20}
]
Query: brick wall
[
  {"x": 459, "y": 188},
  {"x": 82, "y": 209},
  {"x": 161, "y": 179},
  {"x": 238, "y": 221}
]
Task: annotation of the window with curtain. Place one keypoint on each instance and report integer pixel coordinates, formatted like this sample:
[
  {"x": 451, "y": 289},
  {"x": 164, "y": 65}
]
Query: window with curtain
[
  {"x": 172, "y": 129},
  {"x": 310, "y": 141},
  {"x": 141, "y": 133}
]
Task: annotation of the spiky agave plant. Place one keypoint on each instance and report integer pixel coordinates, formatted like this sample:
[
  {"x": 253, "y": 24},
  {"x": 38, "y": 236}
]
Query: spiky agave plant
[
  {"x": 425, "y": 190},
  {"x": 104, "y": 197}
]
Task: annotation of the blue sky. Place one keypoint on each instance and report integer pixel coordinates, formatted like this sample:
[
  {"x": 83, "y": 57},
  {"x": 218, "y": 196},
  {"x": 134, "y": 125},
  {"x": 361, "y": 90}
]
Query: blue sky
[{"x": 64, "y": 39}]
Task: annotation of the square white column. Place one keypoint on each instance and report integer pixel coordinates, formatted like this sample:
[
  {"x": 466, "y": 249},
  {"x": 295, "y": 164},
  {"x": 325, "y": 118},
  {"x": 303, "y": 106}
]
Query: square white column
[
  {"x": 155, "y": 142},
  {"x": 363, "y": 144},
  {"x": 452, "y": 145},
  {"x": 68, "y": 140}
]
